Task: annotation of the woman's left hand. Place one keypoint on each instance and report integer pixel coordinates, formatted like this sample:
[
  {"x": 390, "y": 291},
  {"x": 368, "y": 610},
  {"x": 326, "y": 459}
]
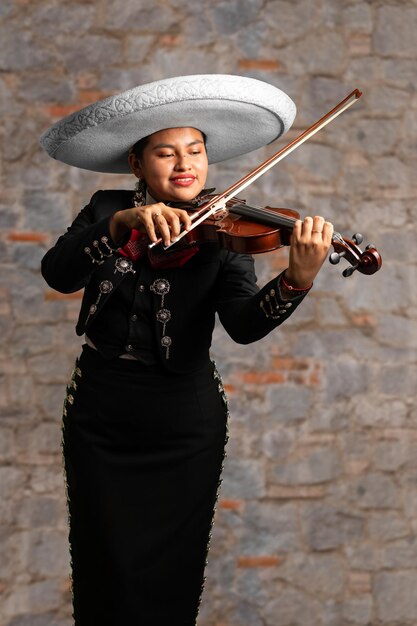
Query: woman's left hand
[{"x": 310, "y": 243}]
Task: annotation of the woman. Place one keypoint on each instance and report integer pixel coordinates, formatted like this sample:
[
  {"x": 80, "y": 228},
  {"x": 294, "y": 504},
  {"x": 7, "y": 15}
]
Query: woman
[{"x": 145, "y": 418}]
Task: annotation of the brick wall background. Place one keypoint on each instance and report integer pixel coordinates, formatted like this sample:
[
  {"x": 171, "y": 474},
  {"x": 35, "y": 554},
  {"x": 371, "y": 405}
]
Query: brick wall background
[{"x": 317, "y": 520}]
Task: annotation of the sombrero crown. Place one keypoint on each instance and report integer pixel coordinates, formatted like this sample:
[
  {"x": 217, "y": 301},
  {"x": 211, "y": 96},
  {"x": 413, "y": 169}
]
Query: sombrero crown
[{"x": 237, "y": 114}]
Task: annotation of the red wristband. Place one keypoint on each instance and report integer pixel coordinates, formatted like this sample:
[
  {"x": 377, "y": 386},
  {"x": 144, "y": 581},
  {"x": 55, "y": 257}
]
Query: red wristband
[{"x": 291, "y": 288}]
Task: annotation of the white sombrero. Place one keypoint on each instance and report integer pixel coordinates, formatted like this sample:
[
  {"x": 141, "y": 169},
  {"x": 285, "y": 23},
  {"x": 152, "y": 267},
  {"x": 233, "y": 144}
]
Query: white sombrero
[{"x": 236, "y": 113}]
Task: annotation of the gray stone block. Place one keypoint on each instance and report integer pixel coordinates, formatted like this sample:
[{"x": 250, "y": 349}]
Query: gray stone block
[
  {"x": 50, "y": 399},
  {"x": 43, "y": 440},
  {"x": 55, "y": 370},
  {"x": 230, "y": 17},
  {"x": 278, "y": 444},
  {"x": 401, "y": 72},
  {"x": 346, "y": 378},
  {"x": 30, "y": 340},
  {"x": 381, "y": 413},
  {"x": 147, "y": 16},
  {"x": 21, "y": 51},
  {"x": 47, "y": 91},
  {"x": 198, "y": 28},
  {"x": 71, "y": 19},
  {"x": 32, "y": 598},
  {"x": 9, "y": 216},
  {"x": 270, "y": 528},
  {"x": 20, "y": 136},
  {"x": 27, "y": 255},
  {"x": 42, "y": 553},
  {"x": 8, "y": 102},
  {"x": 138, "y": 47},
  {"x": 91, "y": 52},
  {"x": 357, "y": 18},
  {"x": 318, "y": 163},
  {"x": 358, "y": 610},
  {"x": 321, "y": 576},
  {"x": 401, "y": 554},
  {"x": 12, "y": 482},
  {"x": 47, "y": 480},
  {"x": 387, "y": 101},
  {"x": 327, "y": 527},
  {"x": 391, "y": 172},
  {"x": 395, "y": 330},
  {"x": 243, "y": 479},
  {"x": 329, "y": 60},
  {"x": 288, "y": 22},
  {"x": 7, "y": 7},
  {"x": 20, "y": 389},
  {"x": 290, "y": 607},
  {"x": 375, "y": 491},
  {"x": 288, "y": 405},
  {"x": 46, "y": 211},
  {"x": 391, "y": 456},
  {"x": 395, "y": 30},
  {"x": 395, "y": 597},
  {"x": 384, "y": 527},
  {"x": 375, "y": 137},
  {"x": 250, "y": 585},
  {"x": 39, "y": 512},
  {"x": 247, "y": 614},
  {"x": 315, "y": 466}
]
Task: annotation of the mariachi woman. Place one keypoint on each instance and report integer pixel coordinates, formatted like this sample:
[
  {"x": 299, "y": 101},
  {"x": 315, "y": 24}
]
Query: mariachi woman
[{"x": 145, "y": 417}]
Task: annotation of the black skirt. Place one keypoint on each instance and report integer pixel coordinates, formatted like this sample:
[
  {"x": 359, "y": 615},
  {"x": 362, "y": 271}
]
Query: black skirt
[{"x": 143, "y": 452}]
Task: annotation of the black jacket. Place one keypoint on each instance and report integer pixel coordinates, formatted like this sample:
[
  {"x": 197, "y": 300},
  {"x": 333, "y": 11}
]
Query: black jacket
[{"x": 185, "y": 299}]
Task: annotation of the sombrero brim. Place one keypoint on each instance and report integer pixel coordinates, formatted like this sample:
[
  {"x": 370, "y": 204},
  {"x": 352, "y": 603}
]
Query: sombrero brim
[{"x": 237, "y": 114}]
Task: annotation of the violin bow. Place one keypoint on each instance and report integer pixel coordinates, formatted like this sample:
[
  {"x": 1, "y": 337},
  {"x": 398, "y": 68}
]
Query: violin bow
[{"x": 218, "y": 203}]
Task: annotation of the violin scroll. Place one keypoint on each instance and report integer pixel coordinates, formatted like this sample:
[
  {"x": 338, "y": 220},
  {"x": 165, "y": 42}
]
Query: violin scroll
[{"x": 367, "y": 262}]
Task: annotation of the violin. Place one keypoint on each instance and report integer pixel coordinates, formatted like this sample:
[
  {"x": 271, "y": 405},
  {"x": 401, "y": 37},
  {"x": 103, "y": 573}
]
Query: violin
[{"x": 246, "y": 229}]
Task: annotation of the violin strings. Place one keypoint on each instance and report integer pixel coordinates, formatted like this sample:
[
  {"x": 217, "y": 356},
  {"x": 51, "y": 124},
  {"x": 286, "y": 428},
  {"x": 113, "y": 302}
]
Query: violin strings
[
  {"x": 257, "y": 211},
  {"x": 280, "y": 220}
]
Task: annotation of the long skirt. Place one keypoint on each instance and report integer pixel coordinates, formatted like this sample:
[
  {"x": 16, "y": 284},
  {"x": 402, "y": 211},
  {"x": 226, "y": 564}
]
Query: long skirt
[{"x": 143, "y": 452}]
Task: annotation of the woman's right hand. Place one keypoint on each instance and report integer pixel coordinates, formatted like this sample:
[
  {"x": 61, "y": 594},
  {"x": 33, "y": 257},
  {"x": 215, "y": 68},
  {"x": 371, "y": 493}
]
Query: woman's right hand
[{"x": 157, "y": 220}]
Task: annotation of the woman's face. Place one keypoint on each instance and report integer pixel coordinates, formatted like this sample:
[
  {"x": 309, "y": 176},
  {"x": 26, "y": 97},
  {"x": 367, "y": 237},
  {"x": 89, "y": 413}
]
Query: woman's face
[{"x": 173, "y": 163}]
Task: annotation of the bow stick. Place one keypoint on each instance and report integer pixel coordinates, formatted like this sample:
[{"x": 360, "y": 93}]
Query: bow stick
[{"x": 218, "y": 203}]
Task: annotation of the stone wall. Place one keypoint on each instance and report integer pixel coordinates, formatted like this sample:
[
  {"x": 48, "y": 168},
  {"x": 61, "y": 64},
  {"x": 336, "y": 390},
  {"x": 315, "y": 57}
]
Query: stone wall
[{"x": 317, "y": 519}]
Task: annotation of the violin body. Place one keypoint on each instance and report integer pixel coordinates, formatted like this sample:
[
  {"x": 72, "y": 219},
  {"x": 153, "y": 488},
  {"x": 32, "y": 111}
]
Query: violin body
[{"x": 242, "y": 235}]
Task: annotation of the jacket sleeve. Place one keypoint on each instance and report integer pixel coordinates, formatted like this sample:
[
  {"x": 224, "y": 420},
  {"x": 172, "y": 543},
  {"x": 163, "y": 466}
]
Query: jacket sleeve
[
  {"x": 247, "y": 312},
  {"x": 87, "y": 243}
]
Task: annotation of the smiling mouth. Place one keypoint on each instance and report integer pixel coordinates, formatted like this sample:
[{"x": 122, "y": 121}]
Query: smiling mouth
[{"x": 183, "y": 181}]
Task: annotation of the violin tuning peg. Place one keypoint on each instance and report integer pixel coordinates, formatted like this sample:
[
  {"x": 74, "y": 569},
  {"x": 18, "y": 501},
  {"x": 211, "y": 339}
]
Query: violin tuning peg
[
  {"x": 335, "y": 257},
  {"x": 349, "y": 271},
  {"x": 370, "y": 246},
  {"x": 357, "y": 238}
]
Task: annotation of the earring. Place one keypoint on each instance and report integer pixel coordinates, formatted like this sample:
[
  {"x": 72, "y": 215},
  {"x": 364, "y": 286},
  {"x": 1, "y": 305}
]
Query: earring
[{"x": 139, "y": 197}]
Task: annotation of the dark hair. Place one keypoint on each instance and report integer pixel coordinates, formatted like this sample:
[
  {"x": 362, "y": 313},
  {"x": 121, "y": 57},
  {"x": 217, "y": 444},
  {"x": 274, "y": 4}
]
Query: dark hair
[{"x": 140, "y": 145}]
